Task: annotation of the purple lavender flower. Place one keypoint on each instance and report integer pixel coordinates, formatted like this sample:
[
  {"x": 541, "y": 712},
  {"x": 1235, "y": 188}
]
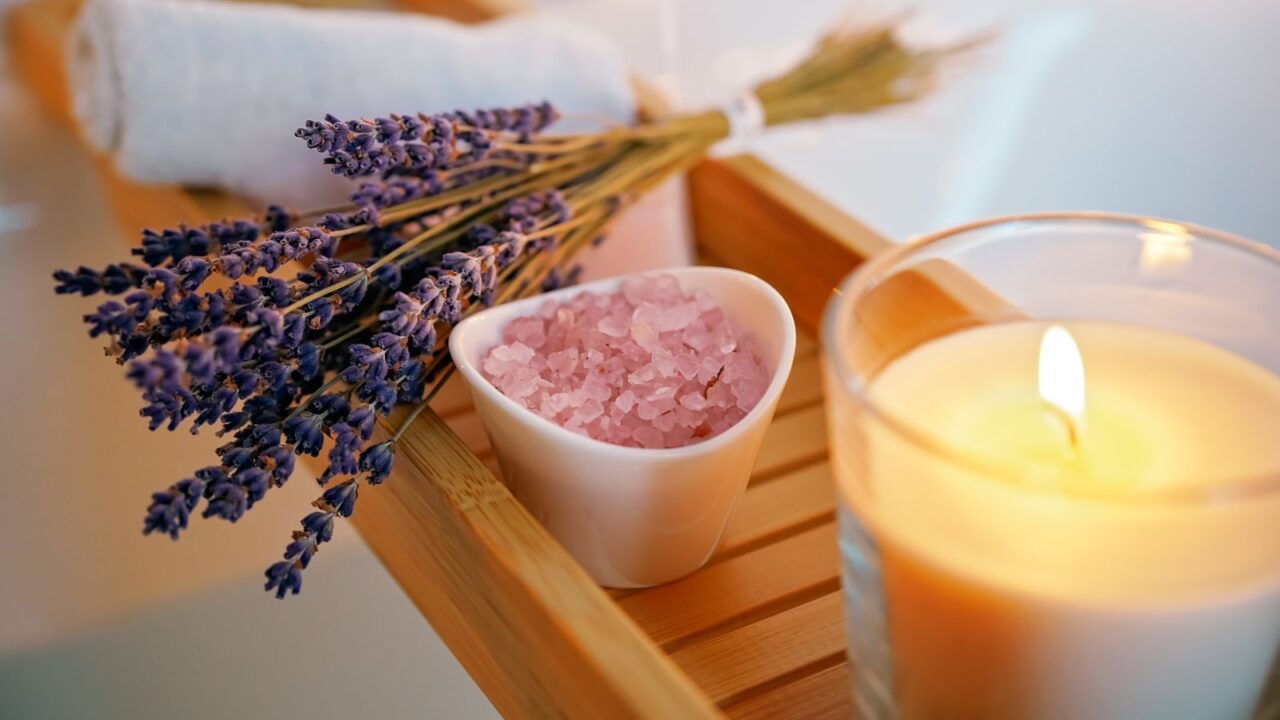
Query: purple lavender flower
[
  {"x": 395, "y": 190},
  {"x": 114, "y": 279},
  {"x": 477, "y": 269},
  {"x": 363, "y": 418},
  {"x": 284, "y": 577},
  {"x": 377, "y": 461},
  {"x": 306, "y": 433},
  {"x": 176, "y": 244},
  {"x": 290, "y": 364},
  {"x": 342, "y": 456},
  {"x": 342, "y": 497},
  {"x": 279, "y": 462},
  {"x": 420, "y": 144},
  {"x": 317, "y": 528},
  {"x": 170, "y": 509}
]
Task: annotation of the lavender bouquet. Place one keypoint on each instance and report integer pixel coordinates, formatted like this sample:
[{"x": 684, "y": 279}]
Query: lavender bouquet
[{"x": 294, "y": 333}]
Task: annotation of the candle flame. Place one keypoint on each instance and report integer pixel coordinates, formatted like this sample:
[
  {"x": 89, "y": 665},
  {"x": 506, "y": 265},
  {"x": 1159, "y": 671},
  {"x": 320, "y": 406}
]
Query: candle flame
[{"x": 1062, "y": 372}]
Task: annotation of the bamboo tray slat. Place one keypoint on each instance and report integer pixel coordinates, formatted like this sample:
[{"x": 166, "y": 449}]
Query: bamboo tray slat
[
  {"x": 765, "y": 612},
  {"x": 769, "y": 511},
  {"x": 791, "y": 643},
  {"x": 757, "y": 632},
  {"x": 821, "y": 695}
]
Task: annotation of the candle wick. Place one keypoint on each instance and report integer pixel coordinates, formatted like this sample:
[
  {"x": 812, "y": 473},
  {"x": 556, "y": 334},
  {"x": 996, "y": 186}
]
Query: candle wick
[{"x": 1068, "y": 424}]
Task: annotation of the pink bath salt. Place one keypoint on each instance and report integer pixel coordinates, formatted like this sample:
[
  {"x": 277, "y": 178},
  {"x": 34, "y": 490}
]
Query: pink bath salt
[
  {"x": 721, "y": 395},
  {"x": 649, "y": 365},
  {"x": 647, "y": 411},
  {"x": 596, "y": 388},
  {"x": 664, "y": 363},
  {"x": 694, "y": 401},
  {"x": 687, "y": 366},
  {"x": 625, "y": 401},
  {"x": 505, "y": 359},
  {"x": 588, "y": 411},
  {"x": 650, "y": 437},
  {"x": 709, "y": 369},
  {"x": 666, "y": 422},
  {"x": 645, "y": 334},
  {"x": 613, "y": 326},
  {"x": 697, "y": 336},
  {"x": 679, "y": 436},
  {"x": 528, "y": 330},
  {"x": 563, "y": 362}
]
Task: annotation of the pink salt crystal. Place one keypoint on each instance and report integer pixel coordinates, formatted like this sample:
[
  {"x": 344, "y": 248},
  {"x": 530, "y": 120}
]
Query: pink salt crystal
[
  {"x": 644, "y": 334},
  {"x": 519, "y": 384},
  {"x": 661, "y": 392},
  {"x": 625, "y": 401},
  {"x": 528, "y": 330},
  {"x": 613, "y": 326},
  {"x": 709, "y": 369},
  {"x": 688, "y": 418},
  {"x": 687, "y": 365},
  {"x": 697, "y": 336},
  {"x": 665, "y": 422},
  {"x": 564, "y": 361},
  {"x": 693, "y": 401},
  {"x": 647, "y": 411},
  {"x": 720, "y": 395},
  {"x": 648, "y": 436},
  {"x": 588, "y": 411},
  {"x": 504, "y": 359},
  {"x": 597, "y": 389},
  {"x": 546, "y": 409},
  {"x": 665, "y": 404},
  {"x": 643, "y": 376},
  {"x": 723, "y": 339},
  {"x": 664, "y": 363},
  {"x": 678, "y": 317},
  {"x": 646, "y": 366},
  {"x": 679, "y": 436},
  {"x": 559, "y": 401},
  {"x": 520, "y": 352}
]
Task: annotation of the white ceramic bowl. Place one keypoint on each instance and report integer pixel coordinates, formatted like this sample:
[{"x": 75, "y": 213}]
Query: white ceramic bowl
[{"x": 633, "y": 517}]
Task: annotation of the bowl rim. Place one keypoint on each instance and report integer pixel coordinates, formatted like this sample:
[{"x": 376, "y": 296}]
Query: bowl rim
[{"x": 518, "y": 308}]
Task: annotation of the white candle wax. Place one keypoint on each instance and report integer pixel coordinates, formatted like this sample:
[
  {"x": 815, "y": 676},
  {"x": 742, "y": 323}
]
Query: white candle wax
[{"x": 1129, "y": 575}]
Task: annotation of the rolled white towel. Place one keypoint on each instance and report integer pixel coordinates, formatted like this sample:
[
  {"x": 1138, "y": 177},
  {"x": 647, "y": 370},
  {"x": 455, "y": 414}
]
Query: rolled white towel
[{"x": 209, "y": 93}]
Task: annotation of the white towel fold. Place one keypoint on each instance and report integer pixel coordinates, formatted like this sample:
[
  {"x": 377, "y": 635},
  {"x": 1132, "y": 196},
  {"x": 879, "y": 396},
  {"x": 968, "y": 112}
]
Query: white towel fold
[{"x": 209, "y": 93}]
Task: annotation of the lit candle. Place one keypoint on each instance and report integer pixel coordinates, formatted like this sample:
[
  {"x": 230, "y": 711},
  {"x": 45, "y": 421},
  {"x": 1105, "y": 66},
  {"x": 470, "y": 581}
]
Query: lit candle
[{"x": 1066, "y": 526}]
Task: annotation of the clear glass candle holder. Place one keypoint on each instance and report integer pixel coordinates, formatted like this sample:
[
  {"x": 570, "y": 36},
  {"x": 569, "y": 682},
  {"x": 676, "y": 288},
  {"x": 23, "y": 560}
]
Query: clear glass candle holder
[{"x": 1056, "y": 441}]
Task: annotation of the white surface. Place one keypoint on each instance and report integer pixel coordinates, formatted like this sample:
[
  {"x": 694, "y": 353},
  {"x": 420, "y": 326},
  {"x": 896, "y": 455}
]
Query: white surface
[
  {"x": 210, "y": 93},
  {"x": 351, "y": 646},
  {"x": 1158, "y": 107},
  {"x": 633, "y": 517}
]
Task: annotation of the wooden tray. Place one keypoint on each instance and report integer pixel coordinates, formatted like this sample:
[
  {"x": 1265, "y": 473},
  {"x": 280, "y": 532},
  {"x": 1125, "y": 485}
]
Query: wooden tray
[{"x": 757, "y": 632}]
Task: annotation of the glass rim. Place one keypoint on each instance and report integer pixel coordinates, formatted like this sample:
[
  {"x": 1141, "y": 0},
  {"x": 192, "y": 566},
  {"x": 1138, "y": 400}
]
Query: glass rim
[{"x": 868, "y": 274}]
